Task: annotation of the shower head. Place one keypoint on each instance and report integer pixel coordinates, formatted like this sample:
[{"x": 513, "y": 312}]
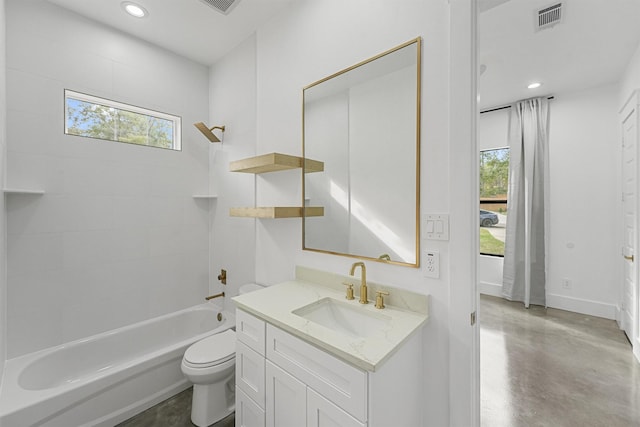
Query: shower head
[{"x": 208, "y": 132}]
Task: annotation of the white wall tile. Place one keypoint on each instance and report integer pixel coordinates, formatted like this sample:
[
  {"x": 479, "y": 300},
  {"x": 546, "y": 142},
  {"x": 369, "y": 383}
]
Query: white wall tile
[
  {"x": 29, "y": 92},
  {"x": 165, "y": 211},
  {"x": 131, "y": 212},
  {"x": 32, "y": 139},
  {"x": 118, "y": 223},
  {"x": 26, "y": 170},
  {"x": 33, "y": 330},
  {"x": 34, "y": 252}
]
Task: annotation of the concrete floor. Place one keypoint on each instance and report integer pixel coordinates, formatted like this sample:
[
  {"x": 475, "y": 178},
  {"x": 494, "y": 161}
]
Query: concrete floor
[
  {"x": 173, "y": 412},
  {"x": 545, "y": 367}
]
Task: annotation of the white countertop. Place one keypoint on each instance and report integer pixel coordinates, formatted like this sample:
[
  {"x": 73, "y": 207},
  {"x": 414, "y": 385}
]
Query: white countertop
[{"x": 275, "y": 304}]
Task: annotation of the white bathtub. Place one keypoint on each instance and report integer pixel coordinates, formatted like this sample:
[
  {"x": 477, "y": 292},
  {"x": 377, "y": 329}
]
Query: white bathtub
[{"x": 107, "y": 378}]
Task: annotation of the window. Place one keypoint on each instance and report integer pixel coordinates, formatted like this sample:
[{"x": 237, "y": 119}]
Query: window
[
  {"x": 494, "y": 182},
  {"x": 94, "y": 117}
]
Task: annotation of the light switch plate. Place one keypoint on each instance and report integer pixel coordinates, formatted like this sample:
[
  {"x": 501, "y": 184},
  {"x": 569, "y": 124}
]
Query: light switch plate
[{"x": 436, "y": 227}]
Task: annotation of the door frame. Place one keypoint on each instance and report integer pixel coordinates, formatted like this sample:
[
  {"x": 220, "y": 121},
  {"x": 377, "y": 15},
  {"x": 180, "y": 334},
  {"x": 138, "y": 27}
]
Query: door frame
[
  {"x": 631, "y": 111},
  {"x": 464, "y": 335}
]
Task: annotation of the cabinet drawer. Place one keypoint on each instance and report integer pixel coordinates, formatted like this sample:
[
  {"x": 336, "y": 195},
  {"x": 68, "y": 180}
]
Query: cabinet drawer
[
  {"x": 322, "y": 413},
  {"x": 250, "y": 373},
  {"x": 248, "y": 413},
  {"x": 341, "y": 383},
  {"x": 250, "y": 331}
]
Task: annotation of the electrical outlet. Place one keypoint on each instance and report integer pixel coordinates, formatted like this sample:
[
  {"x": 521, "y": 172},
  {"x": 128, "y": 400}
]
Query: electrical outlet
[
  {"x": 432, "y": 264},
  {"x": 566, "y": 283}
]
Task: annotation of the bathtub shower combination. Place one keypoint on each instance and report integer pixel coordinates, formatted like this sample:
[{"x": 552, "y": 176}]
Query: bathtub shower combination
[{"x": 107, "y": 378}]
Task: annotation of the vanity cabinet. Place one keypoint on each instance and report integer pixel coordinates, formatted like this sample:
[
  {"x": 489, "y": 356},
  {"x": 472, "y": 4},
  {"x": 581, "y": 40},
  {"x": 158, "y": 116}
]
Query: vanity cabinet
[
  {"x": 250, "y": 370},
  {"x": 290, "y": 382}
]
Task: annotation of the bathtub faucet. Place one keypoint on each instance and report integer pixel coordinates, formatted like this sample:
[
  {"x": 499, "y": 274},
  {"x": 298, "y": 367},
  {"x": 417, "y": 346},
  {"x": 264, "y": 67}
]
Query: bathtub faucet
[{"x": 221, "y": 294}]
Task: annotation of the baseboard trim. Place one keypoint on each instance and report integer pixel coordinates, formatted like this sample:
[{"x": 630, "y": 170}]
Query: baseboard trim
[
  {"x": 493, "y": 289},
  {"x": 619, "y": 317},
  {"x": 583, "y": 306}
]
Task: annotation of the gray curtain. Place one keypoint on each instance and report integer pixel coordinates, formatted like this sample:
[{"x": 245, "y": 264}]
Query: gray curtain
[{"x": 524, "y": 269}]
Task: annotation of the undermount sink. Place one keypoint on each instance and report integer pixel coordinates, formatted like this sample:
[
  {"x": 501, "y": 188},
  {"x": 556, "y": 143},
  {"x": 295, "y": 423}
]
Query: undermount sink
[{"x": 347, "y": 318}]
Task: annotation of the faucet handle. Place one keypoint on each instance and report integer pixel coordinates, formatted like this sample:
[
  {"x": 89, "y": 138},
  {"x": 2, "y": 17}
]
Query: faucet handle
[
  {"x": 380, "y": 299},
  {"x": 349, "y": 290}
]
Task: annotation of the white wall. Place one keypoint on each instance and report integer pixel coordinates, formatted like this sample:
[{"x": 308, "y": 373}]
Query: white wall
[
  {"x": 584, "y": 159},
  {"x": 232, "y": 103},
  {"x": 630, "y": 80},
  {"x": 314, "y": 39},
  {"x": 584, "y": 162},
  {"x": 3, "y": 145},
  {"x": 117, "y": 238}
]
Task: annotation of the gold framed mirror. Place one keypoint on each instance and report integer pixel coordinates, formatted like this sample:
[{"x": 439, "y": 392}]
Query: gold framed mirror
[{"x": 364, "y": 124}]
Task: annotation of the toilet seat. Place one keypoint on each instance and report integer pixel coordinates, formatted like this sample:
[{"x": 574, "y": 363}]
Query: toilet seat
[{"x": 211, "y": 351}]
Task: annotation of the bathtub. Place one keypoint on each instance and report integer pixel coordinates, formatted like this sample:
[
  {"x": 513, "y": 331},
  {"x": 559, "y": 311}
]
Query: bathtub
[{"x": 107, "y": 378}]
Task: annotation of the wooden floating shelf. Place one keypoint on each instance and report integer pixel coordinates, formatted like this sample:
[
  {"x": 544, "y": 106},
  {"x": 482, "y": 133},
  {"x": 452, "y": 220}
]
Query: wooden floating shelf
[
  {"x": 276, "y": 212},
  {"x": 274, "y": 162}
]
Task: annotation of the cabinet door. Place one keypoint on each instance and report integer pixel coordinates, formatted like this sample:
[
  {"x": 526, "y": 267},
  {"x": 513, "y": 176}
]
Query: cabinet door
[
  {"x": 286, "y": 400},
  {"x": 250, "y": 373},
  {"x": 335, "y": 379},
  {"x": 248, "y": 413},
  {"x": 323, "y": 413}
]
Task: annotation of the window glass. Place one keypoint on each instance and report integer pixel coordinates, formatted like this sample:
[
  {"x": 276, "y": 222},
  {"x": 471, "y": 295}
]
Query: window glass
[
  {"x": 494, "y": 184},
  {"x": 93, "y": 117}
]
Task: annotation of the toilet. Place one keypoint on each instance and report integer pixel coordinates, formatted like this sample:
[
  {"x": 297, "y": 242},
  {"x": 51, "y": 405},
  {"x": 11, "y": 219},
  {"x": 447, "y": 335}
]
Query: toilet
[{"x": 210, "y": 366}]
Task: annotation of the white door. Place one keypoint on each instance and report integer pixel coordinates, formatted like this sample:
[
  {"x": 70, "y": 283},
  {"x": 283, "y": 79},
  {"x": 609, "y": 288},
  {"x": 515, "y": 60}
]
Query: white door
[
  {"x": 286, "y": 399},
  {"x": 629, "y": 301},
  {"x": 322, "y": 413}
]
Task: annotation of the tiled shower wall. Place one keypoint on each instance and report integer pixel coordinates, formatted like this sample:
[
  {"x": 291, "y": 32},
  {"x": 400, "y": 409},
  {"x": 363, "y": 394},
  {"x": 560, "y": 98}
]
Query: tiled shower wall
[{"x": 117, "y": 237}]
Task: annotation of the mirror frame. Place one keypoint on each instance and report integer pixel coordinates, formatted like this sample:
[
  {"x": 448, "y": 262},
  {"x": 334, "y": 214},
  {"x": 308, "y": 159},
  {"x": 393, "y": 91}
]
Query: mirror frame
[{"x": 418, "y": 42}]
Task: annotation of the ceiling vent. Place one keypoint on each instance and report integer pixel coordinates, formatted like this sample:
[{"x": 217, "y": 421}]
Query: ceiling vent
[
  {"x": 223, "y": 6},
  {"x": 548, "y": 16}
]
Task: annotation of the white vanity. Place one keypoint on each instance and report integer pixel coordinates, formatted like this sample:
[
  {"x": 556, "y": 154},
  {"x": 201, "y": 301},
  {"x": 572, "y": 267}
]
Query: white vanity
[{"x": 306, "y": 356}]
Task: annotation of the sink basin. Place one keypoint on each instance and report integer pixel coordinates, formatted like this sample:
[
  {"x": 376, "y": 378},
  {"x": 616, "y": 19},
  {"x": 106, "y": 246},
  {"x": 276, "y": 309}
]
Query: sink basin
[{"x": 348, "y": 318}]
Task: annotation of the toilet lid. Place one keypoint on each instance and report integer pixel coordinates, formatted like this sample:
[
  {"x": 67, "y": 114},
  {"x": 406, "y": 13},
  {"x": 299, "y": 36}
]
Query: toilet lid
[{"x": 212, "y": 350}]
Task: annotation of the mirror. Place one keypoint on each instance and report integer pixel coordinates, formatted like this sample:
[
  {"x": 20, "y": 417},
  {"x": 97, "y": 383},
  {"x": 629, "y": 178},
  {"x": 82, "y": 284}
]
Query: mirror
[{"x": 364, "y": 124}]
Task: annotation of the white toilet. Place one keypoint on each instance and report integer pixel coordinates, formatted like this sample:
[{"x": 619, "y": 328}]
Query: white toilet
[{"x": 210, "y": 365}]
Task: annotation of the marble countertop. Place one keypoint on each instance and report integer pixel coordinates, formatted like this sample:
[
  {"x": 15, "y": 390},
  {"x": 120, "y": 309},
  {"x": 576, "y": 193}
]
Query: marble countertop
[{"x": 275, "y": 304}]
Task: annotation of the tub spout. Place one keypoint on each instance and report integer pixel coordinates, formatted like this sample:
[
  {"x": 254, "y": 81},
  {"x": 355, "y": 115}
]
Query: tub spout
[{"x": 221, "y": 294}]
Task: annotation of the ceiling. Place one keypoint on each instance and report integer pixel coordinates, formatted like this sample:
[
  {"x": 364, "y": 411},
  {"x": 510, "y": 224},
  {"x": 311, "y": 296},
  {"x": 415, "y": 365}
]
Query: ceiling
[
  {"x": 190, "y": 28},
  {"x": 590, "y": 47}
]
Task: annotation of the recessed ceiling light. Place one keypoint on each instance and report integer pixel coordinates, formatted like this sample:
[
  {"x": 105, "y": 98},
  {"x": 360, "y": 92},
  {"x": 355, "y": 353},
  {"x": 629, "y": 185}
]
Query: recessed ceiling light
[
  {"x": 534, "y": 85},
  {"x": 134, "y": 9}
]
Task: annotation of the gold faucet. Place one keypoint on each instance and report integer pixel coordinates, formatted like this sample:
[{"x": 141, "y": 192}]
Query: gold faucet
[
  {"x": 363, "y": 278},
  {"x": 221, "y": 294}
]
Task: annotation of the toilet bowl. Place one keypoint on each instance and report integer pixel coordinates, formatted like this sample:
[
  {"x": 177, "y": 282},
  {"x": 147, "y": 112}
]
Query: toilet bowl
[{"x": 210, "y": 365}]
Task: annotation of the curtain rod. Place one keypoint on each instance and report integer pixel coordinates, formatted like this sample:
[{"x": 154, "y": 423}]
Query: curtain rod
[{"x": 505, "y": 107}]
